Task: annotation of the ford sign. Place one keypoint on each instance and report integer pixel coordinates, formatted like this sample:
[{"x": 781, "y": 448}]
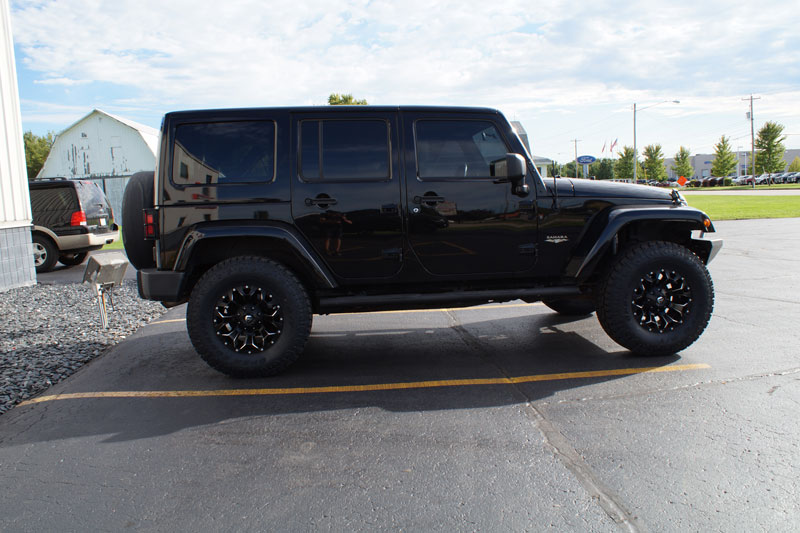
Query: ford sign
[{"x": 586, "y": 159}]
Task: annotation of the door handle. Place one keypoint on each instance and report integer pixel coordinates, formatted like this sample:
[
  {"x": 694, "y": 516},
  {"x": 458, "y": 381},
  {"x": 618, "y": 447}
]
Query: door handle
[
  {"x": 320, "y": 202},
  {"x": 428, "y": 199}
]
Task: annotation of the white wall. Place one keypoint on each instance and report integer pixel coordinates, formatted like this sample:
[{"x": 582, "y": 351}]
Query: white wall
[{"x": 16, "y": 254}]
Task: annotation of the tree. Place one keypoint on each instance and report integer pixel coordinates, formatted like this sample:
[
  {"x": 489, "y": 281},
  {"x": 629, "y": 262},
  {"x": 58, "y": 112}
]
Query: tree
[
  {"x": 683, "y": 164},
  {"x": 36, "y": 150},
  {"x": 725, "y": 160},
  {"x": 654, "y": 162},
  {"x": 554, "y": 169},
  {"x": 602, "y": 169},
  {"x": 344, "y": 99},
  {"x": 623, "y": 169},
  {"x": 568, "y": 170},
  {"x": 795, "y": 166},
  {"x": 770, "y": 148}
]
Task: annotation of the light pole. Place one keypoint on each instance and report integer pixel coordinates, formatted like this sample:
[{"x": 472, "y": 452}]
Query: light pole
[{"x": 635, "y": 153}]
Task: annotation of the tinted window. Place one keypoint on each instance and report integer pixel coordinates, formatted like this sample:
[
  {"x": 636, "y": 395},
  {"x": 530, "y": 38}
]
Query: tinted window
[
  {"x": 91, "y": 196},
  {"x": 458, "y": 148},
  {"x": 224, "y": 152},
  {"x": 350, "y": 150},
  {"x": 54, "y": 199}
]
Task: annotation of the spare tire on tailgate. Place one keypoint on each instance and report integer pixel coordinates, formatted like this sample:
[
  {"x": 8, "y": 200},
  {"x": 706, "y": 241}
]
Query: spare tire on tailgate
[{"x": 138, "y": 195}]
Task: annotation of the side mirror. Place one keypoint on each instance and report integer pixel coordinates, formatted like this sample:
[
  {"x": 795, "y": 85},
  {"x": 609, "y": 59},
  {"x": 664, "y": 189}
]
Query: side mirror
[{"x": 515, "y": 167}]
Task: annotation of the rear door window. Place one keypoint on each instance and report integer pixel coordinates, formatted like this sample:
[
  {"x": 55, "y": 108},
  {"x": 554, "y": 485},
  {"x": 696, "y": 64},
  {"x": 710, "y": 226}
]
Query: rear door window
[
  {"x": 345, "y": 150},
  {"x": 53, "y": 199},
  {"x": 219, "y": 153}
]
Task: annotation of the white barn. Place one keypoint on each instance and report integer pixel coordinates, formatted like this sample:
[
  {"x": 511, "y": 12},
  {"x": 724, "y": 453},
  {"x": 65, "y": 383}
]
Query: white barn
[{"x": 103, "y": 148}]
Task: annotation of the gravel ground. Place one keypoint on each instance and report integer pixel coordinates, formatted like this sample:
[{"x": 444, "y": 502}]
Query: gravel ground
[{"x": 48, "y": 332}]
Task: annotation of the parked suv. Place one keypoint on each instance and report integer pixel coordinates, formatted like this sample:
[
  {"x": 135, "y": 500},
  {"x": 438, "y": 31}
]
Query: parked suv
[
  {"x": 70, "y": 219},
  {"x": 260, "y": 218}
]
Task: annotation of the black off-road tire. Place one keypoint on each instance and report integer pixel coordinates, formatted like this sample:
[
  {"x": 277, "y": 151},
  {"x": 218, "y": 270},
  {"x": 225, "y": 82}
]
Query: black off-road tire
[
  {"x": 571, "y": 306},
  {"x": 45, "y": 253},
  {"x": 258, "y": 299},
  {"x": 657, "y": 298},
  {"x": 138, "y": 195},
  {"x": 73, "y": 259}
]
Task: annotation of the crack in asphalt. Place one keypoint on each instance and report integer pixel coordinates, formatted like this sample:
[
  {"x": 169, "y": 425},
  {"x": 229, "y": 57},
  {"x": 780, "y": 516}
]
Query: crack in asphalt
[
  {"x": 719, "y": 381},
  {"x": 557, "y": 442},
  {"x": 781, "y": 300}
]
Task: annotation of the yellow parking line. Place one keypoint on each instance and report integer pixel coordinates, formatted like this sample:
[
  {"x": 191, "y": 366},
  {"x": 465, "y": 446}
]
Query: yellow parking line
[
  {"x": 169, "y": 321},
  {"x": 367, "y": 387}
]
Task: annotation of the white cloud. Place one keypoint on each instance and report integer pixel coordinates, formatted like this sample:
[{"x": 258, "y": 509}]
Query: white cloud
[{"x": 558, "y": 62}]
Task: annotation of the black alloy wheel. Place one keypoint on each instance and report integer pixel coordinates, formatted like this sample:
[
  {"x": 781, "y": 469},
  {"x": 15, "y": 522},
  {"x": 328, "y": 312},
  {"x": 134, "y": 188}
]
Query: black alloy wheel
[
  {"x": 662, "y": 301},
  {"x": 656, "y": 299},
  {"x": 249, "y": 317}
]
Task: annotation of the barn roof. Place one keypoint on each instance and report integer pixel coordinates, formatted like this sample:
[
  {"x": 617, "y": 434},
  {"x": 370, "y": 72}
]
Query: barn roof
[{"x": 149, "y": 134}]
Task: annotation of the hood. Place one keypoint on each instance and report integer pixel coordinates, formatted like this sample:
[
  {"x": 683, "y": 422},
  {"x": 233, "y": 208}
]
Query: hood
[{"x": 614, "y": 189}]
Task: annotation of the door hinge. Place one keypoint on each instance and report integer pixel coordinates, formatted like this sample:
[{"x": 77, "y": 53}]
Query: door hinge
[{"x": 529, "y": 248}]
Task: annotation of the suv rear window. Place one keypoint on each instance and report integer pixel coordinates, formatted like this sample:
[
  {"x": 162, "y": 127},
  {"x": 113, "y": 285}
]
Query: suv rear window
[
  {"x": 218, "y": 153},
  {"x": 91, "y": 196}
]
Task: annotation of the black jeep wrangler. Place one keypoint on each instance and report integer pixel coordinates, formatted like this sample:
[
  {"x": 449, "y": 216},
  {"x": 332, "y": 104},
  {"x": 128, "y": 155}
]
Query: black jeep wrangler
[{"x": 260, "y": 218}]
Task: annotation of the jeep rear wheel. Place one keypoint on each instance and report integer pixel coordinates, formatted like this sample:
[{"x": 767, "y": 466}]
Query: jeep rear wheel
[
  {"x": 249, "y": 317},
  {"x": 657, "y": 299}
]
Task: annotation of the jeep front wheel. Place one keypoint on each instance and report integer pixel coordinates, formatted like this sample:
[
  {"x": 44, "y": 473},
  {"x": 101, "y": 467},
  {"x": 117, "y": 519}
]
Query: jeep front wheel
[
  {"x": 657, "y": 298},
  {"x": 249, "y": 317}
]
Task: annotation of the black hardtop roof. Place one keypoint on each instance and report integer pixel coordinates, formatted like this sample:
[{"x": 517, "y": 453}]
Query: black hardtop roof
[{"x": 239, "y": 113}]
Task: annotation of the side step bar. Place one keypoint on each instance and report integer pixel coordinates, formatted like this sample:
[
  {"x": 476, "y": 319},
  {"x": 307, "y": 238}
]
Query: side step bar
[{"x": 389, "y": 302}]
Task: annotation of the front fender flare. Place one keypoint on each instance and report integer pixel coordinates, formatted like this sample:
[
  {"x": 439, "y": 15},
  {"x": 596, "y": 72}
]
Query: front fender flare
[{"x": 587, "y": 254}]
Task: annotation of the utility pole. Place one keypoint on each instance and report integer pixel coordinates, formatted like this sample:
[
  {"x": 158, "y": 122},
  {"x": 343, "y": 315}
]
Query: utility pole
[
  {"x": 635, "y": 155},
  {"x": 576, "y": 157},
  {"x": 752, "y": 136}
]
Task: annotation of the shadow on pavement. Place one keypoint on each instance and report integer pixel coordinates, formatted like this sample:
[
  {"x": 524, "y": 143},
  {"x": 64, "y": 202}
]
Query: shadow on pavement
[{"x": 158, "y": 360}]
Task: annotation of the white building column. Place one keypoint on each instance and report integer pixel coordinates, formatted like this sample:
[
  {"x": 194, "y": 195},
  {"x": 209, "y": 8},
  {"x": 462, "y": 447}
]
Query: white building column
[{"x": 16, "y": 250}]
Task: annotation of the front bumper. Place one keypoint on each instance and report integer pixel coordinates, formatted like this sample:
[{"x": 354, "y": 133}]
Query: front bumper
[{"x": 161, "y": 285}]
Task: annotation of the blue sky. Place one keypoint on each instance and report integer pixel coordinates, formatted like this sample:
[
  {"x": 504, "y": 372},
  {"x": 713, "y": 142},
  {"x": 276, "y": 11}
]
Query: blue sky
[{"x": 566, "y": 70}]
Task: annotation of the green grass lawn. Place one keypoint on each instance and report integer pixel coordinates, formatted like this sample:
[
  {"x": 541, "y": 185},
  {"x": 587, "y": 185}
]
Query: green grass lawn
[
  {"x": 746, "y": 207},
  {"x": 743, "y": 188},
  {"x": 116, "y": 245}
]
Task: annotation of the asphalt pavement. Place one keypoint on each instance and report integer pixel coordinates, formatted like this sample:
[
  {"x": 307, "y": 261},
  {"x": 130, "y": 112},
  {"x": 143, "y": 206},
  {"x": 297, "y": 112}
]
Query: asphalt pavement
[{"x": 501, "y": 417}]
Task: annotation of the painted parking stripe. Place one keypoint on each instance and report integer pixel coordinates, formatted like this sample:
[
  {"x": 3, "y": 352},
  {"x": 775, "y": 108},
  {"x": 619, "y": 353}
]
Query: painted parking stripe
[{"x": 367, "y": 387}]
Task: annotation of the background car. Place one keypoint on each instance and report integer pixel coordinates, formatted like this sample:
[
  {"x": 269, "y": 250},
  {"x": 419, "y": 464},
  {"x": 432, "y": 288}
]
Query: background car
[{"x": 70, "y": 219}]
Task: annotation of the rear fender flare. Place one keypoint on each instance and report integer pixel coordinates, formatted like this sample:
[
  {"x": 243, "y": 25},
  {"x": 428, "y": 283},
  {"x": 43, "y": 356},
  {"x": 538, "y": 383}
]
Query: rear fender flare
[{"x": 228, "y": 231}]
